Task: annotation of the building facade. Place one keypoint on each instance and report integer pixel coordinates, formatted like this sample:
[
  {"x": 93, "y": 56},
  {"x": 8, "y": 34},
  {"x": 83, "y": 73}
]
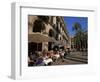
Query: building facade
[{"x": 52, "y": 26}]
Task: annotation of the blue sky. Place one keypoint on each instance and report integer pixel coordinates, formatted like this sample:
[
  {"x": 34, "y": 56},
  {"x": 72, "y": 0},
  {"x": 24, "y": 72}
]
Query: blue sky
[{"x": 69, "y": 21}]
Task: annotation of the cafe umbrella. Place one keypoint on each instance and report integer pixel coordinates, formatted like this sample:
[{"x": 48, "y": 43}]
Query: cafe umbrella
[{"x": 39, "y": 38}]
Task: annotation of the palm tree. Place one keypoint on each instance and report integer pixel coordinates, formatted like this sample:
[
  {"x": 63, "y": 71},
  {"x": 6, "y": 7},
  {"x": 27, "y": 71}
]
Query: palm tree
[
  {"x": 78, "y": 40},
  {"x": 85, "y": 42},
  {"x": 77, "y": 27}
]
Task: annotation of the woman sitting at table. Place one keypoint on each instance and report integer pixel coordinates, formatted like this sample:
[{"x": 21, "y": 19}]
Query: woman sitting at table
[
  {"x": 39, "y": 60},
  {"x": 51, "y": 53},
  {"x": 47, "y": 60},
  {"x": 56, "y": 56}
]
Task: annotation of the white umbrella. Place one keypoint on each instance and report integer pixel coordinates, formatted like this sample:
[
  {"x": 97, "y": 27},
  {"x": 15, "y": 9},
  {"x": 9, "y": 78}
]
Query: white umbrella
[{"x": 39, "y": 38}]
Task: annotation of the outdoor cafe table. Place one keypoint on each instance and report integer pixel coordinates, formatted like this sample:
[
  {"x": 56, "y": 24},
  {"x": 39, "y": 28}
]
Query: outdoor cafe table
[{"x": 46, "y": 61}]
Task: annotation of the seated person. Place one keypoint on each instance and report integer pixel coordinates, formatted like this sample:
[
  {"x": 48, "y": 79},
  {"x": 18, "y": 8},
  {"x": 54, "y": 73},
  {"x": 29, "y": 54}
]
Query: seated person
[
  {"x": 51, "y": 53},
  {"x": 30, "y": 62},
  {"x": 47, "y": 60},
  {"x": 39, "y": 61},
  {"x": 56, "y": 56}
]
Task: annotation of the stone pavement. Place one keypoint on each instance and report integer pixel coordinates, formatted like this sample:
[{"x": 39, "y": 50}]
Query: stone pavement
[{"x": 73, "y": 58}]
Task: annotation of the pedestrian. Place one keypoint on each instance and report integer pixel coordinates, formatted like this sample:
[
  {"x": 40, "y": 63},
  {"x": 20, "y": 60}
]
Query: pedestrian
[
  {"x": 62, "y": 55},
  {"x": 66, "y": 53}
]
